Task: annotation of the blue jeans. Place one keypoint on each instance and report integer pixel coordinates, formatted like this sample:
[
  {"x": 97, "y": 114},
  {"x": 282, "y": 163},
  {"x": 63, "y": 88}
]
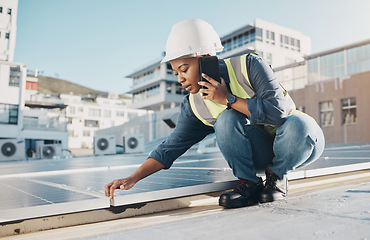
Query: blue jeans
[{"x": 249, "y": 149}]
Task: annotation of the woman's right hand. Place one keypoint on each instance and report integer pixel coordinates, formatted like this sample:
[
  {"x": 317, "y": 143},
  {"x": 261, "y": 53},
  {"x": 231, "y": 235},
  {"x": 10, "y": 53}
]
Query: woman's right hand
[
  {"x": 149, "y": 167},
  {"x": 123, "y": 184}
]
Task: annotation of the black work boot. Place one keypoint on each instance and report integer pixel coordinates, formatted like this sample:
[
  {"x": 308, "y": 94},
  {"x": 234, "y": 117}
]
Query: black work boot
[
  {"x": 275, "y": 188},
  {"x": 246, "y": 194}
]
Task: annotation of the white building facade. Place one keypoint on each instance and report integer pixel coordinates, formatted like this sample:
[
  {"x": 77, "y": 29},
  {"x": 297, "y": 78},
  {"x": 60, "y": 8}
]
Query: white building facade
[
  {"x": 278, "y": 45},
  {"x": 8, "y": 29},
  {"x": 86, "y": 115},
  {"x": 12, "y": 82},
  {"x": 155, "y": 88}
]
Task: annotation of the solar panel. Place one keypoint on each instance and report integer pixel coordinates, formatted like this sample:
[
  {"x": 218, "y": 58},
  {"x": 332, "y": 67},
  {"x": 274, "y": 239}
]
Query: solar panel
[{"x": 54, "y": 186}]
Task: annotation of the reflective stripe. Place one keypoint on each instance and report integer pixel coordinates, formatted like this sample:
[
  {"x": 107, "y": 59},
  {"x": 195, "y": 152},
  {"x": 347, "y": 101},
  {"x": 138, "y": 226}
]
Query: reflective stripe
[
  {"x": 243, "y": 63},
  {"x": 235, "y": 86},
  {"x": 196, "y": 102},
  {"x": 239, "y": 66}
]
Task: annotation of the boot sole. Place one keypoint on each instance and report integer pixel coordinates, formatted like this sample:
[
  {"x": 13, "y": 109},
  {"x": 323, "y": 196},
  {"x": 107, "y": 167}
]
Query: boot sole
[
  {"x": 236, "y": 204},
  {"x": 269, "y": 198}
]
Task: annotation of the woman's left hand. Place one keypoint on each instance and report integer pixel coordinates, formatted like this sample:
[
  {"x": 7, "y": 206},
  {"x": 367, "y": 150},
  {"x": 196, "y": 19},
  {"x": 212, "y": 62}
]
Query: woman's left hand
[{"x": 217, "y": 92}]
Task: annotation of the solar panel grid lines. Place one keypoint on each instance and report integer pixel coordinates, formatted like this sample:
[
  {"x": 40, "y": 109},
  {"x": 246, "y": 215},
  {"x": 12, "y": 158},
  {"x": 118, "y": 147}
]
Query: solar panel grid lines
[
  {"x": 66, "y": 187},
  {"x": 28, "y": 194},
  {"x": 78, "y": 184},
  {"x": 57, "y": 186}
]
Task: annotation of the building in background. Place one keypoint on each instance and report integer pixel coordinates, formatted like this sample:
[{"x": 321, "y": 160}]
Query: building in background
[
  {"x": 332, "y": 86},
  {"x": 278, "y": 45},
  {"x": 12, "y": 82},
  {"x": 88, "y": 114},
  {"x": 8, "y": 29},
  {"x": 155, "y": 87}
]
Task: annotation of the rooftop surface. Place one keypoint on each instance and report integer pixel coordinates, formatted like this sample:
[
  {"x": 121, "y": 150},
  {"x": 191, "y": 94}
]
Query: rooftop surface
[{"x": 340, "y": 211}]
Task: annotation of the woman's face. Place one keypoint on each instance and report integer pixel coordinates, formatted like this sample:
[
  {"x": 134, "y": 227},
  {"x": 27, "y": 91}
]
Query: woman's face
[{"x": 187, "y": 71}]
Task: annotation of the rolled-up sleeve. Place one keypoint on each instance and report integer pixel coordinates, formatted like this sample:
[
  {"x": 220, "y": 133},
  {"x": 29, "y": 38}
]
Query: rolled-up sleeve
[
  {"x": 268, "y": 105},
  {"x": 188, "y": 131}
]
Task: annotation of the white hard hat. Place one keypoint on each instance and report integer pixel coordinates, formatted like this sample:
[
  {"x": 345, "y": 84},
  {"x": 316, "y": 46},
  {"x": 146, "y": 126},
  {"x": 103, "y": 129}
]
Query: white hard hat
[{"x": 190, "y": 38}]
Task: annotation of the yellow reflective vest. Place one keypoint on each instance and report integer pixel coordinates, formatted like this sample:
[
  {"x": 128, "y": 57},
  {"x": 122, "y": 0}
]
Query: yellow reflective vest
[{"x": 208, "y": 111}]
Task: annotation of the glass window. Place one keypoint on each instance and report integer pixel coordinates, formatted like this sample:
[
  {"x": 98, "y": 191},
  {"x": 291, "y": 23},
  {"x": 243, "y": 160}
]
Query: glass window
[
  {"x": 227, "y": 45},
  {"x": 269, "y": 58},
  {"x": 358, "y": 59},
  {"x": 8, "y": 113},
  {"x": 313, "y": 70},
  {"x": 153, "y": 91},
  {"x": 292, "y": 78},
  {"x": 349, "y": 111},
  {"x": 298, "y": 45},
  {"x": 9, "y": 11},
  {"x": 86, "y": 133},
  {"x": 72, "y": 110},
  {"x": 107, "y": 113},
  {"x": 1, "y": 9},
  {"x": 120, "y": 113},
  {"x": 169, "y": 69},
  {"x": 286, "y": 40},
  {"x": 326, "y": 113},
  {"x": 14, "y": 76},
  {"x": 292, "y": 42},
  {"x": 147, "y": 76},
  {"x": 273, "y": 36},
  {"x": 91, "y": 123},
  {"x": 270, "y": 37},
  {"x": 132, "y": 115},
  {"x": 94, "y": 112},
  {"x": 259, "y": 34},
  {"x": 169, "y": 87},
  {"x": 253, "y": 35},
  {"x": 332, "y": 65}
]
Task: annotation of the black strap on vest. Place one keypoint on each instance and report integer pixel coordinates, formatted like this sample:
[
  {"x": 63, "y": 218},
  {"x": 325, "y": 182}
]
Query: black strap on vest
[{"x": 224, "y": 74}]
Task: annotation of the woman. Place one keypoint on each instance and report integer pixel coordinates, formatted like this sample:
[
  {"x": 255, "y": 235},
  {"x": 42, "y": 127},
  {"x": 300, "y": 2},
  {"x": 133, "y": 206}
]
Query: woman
[{"x": 255, "y": 122}]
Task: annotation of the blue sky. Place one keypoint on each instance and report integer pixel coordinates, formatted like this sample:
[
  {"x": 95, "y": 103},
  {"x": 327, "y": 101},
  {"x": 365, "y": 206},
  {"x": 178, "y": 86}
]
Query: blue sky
[{"x": 98, "y": 43}]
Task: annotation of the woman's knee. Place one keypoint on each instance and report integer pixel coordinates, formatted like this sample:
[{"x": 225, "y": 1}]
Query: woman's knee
[{"x": 299, "y": 125}]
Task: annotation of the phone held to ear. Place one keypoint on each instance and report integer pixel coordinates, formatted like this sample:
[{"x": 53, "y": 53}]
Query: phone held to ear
[{"x": 209, "y": 66}]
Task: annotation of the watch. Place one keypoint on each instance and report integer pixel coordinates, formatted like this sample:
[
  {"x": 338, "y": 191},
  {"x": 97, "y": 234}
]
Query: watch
[{"x": 230, "y": 100}]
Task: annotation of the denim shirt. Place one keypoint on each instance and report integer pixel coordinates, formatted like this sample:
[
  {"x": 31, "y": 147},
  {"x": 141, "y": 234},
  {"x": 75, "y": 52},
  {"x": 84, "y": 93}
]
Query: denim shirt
[{"x": 267, "y": 107}]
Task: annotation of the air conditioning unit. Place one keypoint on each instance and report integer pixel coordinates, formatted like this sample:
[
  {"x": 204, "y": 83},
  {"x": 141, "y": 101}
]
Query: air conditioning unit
[
  {"x": 133, "y": 144},
  {"x": 105, "y": 144},
  {"x": 48, "y": 150},
  {"x": 12, "y": 149}
]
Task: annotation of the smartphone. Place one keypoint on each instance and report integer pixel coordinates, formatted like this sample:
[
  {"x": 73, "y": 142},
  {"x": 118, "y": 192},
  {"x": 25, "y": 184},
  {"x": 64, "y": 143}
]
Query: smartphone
[{"x": 209, "y": 66}]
